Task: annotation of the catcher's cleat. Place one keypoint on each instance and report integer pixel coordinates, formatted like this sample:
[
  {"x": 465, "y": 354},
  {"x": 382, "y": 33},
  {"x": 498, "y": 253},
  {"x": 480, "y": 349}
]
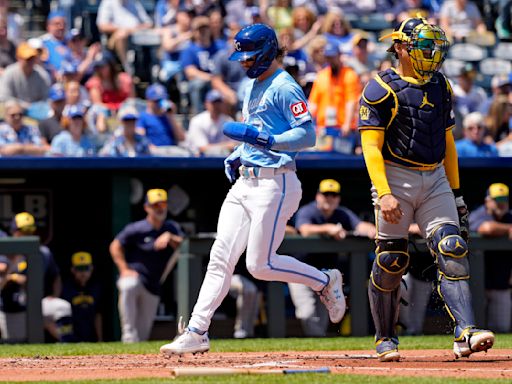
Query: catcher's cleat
[
  {"x": 188, "y": 341},
  {"x": 332, "y": 295},
  {"x": 470, "y": 340},
  {"x": 387, "y": 349}
]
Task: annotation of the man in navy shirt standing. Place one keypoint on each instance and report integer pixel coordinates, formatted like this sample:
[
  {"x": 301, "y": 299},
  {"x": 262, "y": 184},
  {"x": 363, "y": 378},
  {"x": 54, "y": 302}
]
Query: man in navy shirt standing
[
  {"x": 494, "y": 219},
  {"x": 141, "y": 252},
  {"x": 325, "y": 217}
]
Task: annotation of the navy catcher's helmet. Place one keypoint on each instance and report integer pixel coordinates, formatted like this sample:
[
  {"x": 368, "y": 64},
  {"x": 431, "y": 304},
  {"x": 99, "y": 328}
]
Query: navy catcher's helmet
[{"x": 258, "y": 42}]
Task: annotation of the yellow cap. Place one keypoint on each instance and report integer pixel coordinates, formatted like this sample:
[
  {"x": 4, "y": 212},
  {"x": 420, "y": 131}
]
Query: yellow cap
[
  {"x": 23, "y": 221},
  {"x": 329, "y": 186},
  {"x": 154, "y": 196},
  {"x": 498, "y": 192},
  {"x": 81, "y": 259}
]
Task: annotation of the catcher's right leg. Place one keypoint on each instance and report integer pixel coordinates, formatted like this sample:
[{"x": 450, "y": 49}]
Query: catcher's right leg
[{"x": 384, "y": 294}]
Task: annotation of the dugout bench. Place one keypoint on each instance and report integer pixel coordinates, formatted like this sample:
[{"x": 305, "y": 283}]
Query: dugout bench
[{"x": 193, "y": 249}]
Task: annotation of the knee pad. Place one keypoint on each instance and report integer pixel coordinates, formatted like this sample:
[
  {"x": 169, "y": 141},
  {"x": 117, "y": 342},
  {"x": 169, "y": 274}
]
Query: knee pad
[
  {"x": 450, "y": 251},
  {"x": 390, "y": 264}
]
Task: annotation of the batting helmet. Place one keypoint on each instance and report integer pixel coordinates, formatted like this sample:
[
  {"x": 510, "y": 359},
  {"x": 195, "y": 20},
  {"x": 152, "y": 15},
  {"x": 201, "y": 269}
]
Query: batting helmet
[
  {"x": 426, "y": 44},
  {"x": 258, "y": 42}
]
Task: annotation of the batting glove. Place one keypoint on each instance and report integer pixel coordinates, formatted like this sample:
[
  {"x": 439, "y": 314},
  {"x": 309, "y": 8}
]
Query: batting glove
[{"x": 231, "y": 168}]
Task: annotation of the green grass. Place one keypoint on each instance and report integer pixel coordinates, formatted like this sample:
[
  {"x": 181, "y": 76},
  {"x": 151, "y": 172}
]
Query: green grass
[{"x": 258, "y": 345}]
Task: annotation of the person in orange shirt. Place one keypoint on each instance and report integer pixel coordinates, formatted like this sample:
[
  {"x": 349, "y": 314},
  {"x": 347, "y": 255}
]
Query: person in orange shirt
[{"x": 335, "y": 93}]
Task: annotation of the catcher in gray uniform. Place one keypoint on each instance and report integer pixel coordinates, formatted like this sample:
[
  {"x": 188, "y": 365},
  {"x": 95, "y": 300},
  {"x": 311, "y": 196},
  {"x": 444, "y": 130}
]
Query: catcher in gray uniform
[{"x": 406, "y": 122}]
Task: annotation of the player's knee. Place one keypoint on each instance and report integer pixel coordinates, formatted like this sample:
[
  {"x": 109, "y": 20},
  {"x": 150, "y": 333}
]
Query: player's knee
[
  {"x": 259, "y": 272},
  {"x": 390, "y": 264},
  {"x": 450, "y": 251}
]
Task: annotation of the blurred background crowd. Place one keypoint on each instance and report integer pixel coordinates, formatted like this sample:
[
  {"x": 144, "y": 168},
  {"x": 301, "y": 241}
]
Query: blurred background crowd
[{"x": 152, "y": 77}]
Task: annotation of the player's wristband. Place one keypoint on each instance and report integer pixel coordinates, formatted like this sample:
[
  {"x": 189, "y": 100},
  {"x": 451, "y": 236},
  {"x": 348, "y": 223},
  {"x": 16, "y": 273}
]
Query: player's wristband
[{"x": 457, "y": 192}]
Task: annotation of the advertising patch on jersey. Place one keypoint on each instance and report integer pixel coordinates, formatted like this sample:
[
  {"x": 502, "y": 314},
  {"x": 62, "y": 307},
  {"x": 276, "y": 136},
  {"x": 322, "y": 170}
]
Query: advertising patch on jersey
[
  {"x": 364, "y": 113},
  {"x": 299, "y": 109}
]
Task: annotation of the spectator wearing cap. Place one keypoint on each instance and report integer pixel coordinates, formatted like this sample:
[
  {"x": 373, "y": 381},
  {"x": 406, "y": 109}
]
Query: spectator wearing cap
[
  {"x": 56, "y": 312},
  {"x": 196, "y": 61},
  {"x": 7, "y": 47},
  {"x": 494, "y": 219},
  {"x": 468, "y": 97},
  {"x": 16, "y": 138},
  {"x": 473, "y": 145},
  {"x": 108, "y": 87},
  {"x": 127, "y": 143},
  {"x": 175, "y": 38},
  {"x": 158, "y": 122},
  {"x": 25, "y": 80},
  {"x": 141, "y": 252},
  {"x": 325, "y": 217},
  {"x": 119, "y": 20},
  {"x": 74, "y": 140},
  {"x": 226, "y": 77},
  {"x": 205, "y": 134},
  {"x": 334, "y": 95},
  {"x": 80, "y": 56},
  {"x": 55, "y": 41},
  {"x": 51, "y": 126},
  {"x": 361, "y": 59},
  {"x": 84, "y": 295}
]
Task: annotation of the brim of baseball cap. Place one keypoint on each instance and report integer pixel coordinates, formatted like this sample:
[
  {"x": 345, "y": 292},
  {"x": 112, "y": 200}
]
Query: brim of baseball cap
[
  {"x": 501, "y": 199},
  {"x": 243, "y": 55}
]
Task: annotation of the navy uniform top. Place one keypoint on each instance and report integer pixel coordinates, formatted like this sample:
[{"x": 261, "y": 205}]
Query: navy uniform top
[
  {"x": 138, "y": 241},
  {"x": 85, "y": 304},
  {"x": 414, "y": 115},
  {"x": 310, "y": 214},
  {"x": 498, "y": 264}
]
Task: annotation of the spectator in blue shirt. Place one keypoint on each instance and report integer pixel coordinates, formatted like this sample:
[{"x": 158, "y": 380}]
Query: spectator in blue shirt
[
  {"x": 473, "y": 145},
  {"x": 158, "y": 122},
  {"x": 55, "y": 41},
  {"x": 17, "y": 138},
  {"x": 74, "y": 140},
  {"x": 196, "y": 61},
  {"x": 126, "y": 142}
]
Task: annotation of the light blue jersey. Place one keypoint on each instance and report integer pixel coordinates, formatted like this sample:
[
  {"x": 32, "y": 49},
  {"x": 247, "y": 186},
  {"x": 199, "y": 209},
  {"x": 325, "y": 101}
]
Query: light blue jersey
[{"x": 274, "y": 105}]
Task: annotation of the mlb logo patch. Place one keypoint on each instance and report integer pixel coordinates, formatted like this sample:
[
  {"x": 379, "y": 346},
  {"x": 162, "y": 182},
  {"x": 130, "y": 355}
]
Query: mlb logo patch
[{"x": 299, "y": 108}]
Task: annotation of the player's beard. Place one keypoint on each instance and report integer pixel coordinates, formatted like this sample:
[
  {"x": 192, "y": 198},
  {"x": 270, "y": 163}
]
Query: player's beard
[{"x": 160, "y": 216}]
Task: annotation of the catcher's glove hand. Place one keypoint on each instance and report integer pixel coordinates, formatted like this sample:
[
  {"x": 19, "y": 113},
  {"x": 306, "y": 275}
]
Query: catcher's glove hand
[{"x": 462, "y": 210}]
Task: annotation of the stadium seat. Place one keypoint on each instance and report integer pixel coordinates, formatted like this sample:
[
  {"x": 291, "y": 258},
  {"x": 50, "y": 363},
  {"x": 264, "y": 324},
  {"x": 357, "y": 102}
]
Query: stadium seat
[
  {"x": 503, "y": 51},
  {"x": 451, "y": 67},
  {"x": 467, "y": 52},
  {"x": 494, "y": 66},
  {"x": 485, "y": 39},
  {"x": 373, "y": 22}
]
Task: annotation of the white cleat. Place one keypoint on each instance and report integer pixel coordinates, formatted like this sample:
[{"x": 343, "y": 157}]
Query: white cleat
[
  {"x": 472, "y": 340},
  {"x": 332, "y": 296},
  {"x": 187, "y": 342}
]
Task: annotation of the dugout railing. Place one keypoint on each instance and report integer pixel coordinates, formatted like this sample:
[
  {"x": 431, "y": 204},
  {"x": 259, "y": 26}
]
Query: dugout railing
[{"x": 194, "y": 249}]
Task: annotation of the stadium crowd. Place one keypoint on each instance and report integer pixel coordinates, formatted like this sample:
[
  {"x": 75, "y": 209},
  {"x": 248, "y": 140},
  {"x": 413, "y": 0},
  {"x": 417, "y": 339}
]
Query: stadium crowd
[{"x": 152, "y": 78}]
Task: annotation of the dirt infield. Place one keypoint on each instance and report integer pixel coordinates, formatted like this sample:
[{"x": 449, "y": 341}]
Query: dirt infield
[{"x": 495, "y": 364}]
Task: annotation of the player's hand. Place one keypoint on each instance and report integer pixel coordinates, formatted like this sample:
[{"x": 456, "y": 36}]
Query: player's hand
[
  {"x": 162, "y": 241},
  {"x": 336, "y": 231},
  {"x": 390, "y": 209},
  {"x": 128, "y": 273},
  {"x": 231, "y": 168},
  {"x": 462, "y": 211}
]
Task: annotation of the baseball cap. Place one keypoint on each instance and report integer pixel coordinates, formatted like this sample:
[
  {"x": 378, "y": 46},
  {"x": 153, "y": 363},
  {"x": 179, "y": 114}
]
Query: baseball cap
[
  {"x": 73, "y": 111},
  {"x": 360, "y": 36},
  {"x": 156, "y": 92},
  {"x": 57, "y": 93},
  {"x": 26, "y": 51},
  {"x": 498, "y": 192},
  {"x": 81, "y": 261},
  {"x": 55, "y": 14},
  {"x": 154, "y": 196},
  {"x": 73, "y": 33},
  {"x": 24, "y": 222},
  {"x": 331, "y": 50},
  {"x": 101, "y": 59},
  {"x": 329, "y": 186},
  {"x": 500, "y": 81},
  {"x": 128, "y": 113},
  {"x": 213, "y": 96}
]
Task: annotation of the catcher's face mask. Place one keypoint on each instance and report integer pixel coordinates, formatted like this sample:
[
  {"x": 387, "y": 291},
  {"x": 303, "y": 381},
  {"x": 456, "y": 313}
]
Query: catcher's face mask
[{"x": 427, "y": 49}]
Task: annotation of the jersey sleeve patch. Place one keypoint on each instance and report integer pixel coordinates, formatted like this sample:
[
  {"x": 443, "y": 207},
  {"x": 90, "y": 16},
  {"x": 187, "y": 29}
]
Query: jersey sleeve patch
[{"x": 298, "y": 109}]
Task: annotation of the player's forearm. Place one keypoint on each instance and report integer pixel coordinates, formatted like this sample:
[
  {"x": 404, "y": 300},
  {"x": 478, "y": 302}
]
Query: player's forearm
[
  {"x": 494, "y": 228},
  {"x": 451, "y": 163},
  {"x": 117, "y": 253},
  {"x": 372, "y": 142},
  {"x": 295, "y": 138},
  {"x": 314, "y": 229}
]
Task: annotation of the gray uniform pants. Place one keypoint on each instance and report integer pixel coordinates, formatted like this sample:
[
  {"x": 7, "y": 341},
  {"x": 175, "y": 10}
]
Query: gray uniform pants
[
  {"x": 309, "y": 310},
  {"x": 137, "y": 309}
]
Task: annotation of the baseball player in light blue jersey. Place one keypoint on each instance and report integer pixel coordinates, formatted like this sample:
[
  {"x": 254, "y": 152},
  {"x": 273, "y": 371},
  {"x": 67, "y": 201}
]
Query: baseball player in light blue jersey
[{"x": 253, "y": 216}]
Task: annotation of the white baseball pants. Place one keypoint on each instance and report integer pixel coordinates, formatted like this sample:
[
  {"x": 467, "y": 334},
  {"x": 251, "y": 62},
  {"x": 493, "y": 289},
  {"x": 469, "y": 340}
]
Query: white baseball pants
[{"x": 253, "y": 217}]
